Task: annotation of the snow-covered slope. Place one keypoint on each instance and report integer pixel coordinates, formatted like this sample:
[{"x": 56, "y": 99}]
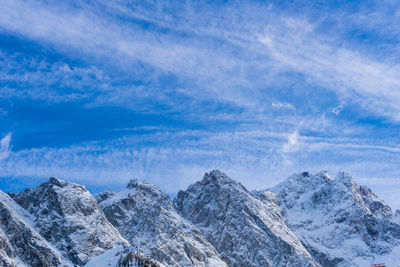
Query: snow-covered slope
[
  {"x": 245, "y": 230},
  {"x": 20, "y": 244},
  {"x": 69, "y": 217},
  {"x": 146, "y": 217},
  {"x": 121, "y": 256},
  {"x": 339, "y": 222}
]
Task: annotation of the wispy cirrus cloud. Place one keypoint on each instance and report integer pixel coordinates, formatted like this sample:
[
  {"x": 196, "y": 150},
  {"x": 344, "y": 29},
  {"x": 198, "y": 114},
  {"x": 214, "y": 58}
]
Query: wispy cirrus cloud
[
  {"x": 268, "y": 48},
  {"x": 371, "y": 83},
  {"x": 256, "y": 90},
  {"x": 255, "y": 158},
  {"x": 280, "y": 105}
]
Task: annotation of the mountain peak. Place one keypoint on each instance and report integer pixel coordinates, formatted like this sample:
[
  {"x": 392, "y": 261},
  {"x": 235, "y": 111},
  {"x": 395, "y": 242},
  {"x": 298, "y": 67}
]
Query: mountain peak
[
  {"x": 243, "y": 229},
  {"x": 145, "y": 187},
  {"x": 137, "y": 183},
  {"x": 336, "y": 215},
  {"x": 146, "y": 217},
  {"x": 56, "y": 181},
  {"x": 64, "y": 211},
  {"x": 345, "y": 178},
  {"x": 215, "y": 174},
  {"x": 219, "y": 178}
]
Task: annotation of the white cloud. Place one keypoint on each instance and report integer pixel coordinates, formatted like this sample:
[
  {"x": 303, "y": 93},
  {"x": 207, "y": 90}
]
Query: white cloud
[
  {"x": 5, "y": 146},
  {"x": 280, "y": 105},
  {"x": 292, "y": 143}
]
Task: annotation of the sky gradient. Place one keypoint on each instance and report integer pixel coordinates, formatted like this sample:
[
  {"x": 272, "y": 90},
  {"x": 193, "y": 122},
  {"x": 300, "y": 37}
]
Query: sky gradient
[{"x": 101, "y": 92}]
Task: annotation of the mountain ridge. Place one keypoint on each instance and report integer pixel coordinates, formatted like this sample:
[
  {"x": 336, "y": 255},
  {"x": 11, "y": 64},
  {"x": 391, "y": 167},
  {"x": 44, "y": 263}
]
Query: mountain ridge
[{"x": 308, "y": 219}]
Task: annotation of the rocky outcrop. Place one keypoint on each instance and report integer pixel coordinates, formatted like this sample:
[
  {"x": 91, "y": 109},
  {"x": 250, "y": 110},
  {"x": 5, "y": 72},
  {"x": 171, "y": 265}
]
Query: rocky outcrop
[
  {"x": 69, "y": 217},
  {"x": 18, "y": 239},
  {"x": 146, "y": 217},
  {"x": 7, "y": 253},
  {"x": 245, "y": 230}
]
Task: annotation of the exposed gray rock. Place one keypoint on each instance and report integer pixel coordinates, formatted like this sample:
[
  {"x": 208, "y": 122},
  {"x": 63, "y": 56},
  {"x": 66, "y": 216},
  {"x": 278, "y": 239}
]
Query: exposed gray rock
[
  {"x": 7, "y": 253},
  {"x": 146, "y": 217},
  {"x": 245, "y": 230},
  {"x": 104, "y": 195},
  {"x": 19, "y": 240},
  {"x": 69, "y": 217}
]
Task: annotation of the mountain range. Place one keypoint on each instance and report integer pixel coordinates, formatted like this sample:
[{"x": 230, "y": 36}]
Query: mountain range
[{"x": 307, "y": 220}]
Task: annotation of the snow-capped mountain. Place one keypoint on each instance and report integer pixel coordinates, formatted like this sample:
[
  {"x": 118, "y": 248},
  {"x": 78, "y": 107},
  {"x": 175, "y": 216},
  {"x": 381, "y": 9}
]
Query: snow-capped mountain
[
  {"x": 307, "y": 220},
  {"x": 146, "y": 217},
  {"x": 339, "y": 222},
  {"x": 245, "y": 230},
  {"x": 68, "y": 217},
  {"x": 19, "y": 242}
]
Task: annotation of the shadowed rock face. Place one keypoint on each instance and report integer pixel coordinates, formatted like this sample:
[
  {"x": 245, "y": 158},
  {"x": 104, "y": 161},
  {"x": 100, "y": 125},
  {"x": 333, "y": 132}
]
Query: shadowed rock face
[
  {"x": 68, "y": 216},
  {"x": 245, "y": 230},
  {"x": 19, "y": 239},
  {"x": 7, "y": 254},
  {"x": 146, "y": 217},
  {"x": 338, "y": 221}
]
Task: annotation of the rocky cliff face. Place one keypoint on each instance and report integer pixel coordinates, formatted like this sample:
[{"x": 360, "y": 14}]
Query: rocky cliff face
[
  {"x": 7, "y": 254},
  {"x": 19, "y": 242},
  {"x": 146, "y": 217},
  {"x": 339, "y": 222},
  {"x": 245, "y": 230},
  {"x": 69, "y": 217}
]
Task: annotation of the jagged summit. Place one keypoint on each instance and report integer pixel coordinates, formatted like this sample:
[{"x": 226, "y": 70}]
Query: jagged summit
[
  {"x": 337, "y": 220},
  {"x": 144, "y": 186},
  {"x": 244, "y": 230},
  {"x": 19, "y": 241},
  {"x": 68, "y": 216},
  {"x": 304, "y": 177},
  {"x": 57, "y": 181},
  {"x": 62, "y": 183},
  {"x": 215, "y": 174},
  {"x": 343, "y": 183},
  {"x": 134, "y": 183},
  {"x": 146, "y": 217},
  {"x": 218, "y": 177}
]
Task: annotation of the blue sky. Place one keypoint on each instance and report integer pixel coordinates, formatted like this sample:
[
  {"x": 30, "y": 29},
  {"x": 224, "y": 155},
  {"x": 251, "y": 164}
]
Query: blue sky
[{"x": 101, "y": 92}]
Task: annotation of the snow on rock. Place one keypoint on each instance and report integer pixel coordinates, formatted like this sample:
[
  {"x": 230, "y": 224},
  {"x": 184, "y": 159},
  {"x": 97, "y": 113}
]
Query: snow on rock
[
  {"x": 245, "y": 230},
  {"x": 396, "y": 217},
  {"x": 19, "y": 242},
  {"x": 107, "y": 259},
  {"x": 7, "y": 253},
  {"x": 68, "y": 216},
  {"x": 122, "y": 256},
  {"x": 339, "y": 222},
  {"x": 146, "y": 217}
]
